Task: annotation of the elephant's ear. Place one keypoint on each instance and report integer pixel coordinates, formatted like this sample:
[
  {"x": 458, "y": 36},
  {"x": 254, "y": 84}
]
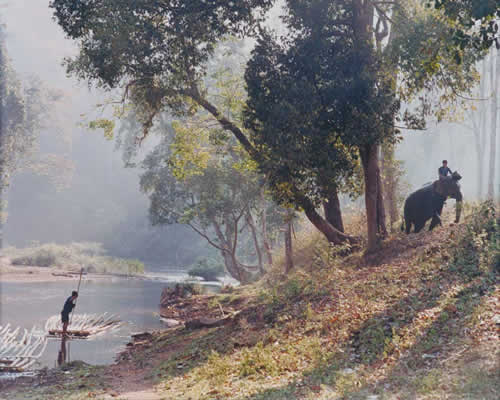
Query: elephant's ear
[
  {"x": 439, "y": 187},
  {"x": 456, "y": 176}
]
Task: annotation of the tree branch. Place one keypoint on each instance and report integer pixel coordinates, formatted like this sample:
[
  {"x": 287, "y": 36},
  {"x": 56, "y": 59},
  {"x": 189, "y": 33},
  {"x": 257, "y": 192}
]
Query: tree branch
[
  {"x": 226, "y": 124},
  {"x": 206, "y": 237},
  {"x": 382, "y": 13}
]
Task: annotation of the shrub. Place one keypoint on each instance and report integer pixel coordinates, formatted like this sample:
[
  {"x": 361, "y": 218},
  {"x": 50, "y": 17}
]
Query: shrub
[
  {"x": 89, "y": 256},
  {"x": 182, "y": 290},
  {"x": 208, "y": 269},
  {"x": 227, "y": 289},
  {"x": 118, "y": 265},
  {"x": 40, "y": 258},
  {"x": 258, "y": 360}
]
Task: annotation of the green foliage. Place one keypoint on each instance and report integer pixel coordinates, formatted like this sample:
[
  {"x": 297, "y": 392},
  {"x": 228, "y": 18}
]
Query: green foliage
[
  {"x": 258, "y": 360},
  {"x": 200, "y": 176},
  {"x": 121, "y": 266},
  {"x": 311, "y": 102},
  {"x": 134, "y": 41},
  {"x": 292, "y": 296},
  {"x": 89, "y": 256},
  {"x": 373, "y": 339},
  {"x": 466, "y": 16},
  {"x": 15, "y": 141},
  {"x": 184, "y": 289},
  {"x": 429, "y": 61},
  {"x": 216, "y": 369},
  {"x": 106, "y": 125},
  {"x": 26, "y": 108},
  {"x": 208, "y": 269}
]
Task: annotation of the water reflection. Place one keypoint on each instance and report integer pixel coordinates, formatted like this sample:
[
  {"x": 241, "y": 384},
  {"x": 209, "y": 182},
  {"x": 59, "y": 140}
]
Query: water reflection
[{"x": 136, "y": 302}]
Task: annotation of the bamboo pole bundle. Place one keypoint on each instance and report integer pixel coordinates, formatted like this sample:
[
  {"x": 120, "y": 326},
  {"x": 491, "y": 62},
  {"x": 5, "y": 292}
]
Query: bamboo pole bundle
[
  {"x": 84, "y": 325},
  {"x": 20, "y": 350}
]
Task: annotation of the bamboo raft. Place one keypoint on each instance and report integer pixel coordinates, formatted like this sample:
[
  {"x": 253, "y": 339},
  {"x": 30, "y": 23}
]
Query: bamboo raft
[
  {"x": 83, "y": 326},
  {"x": 20, "y": 350}
]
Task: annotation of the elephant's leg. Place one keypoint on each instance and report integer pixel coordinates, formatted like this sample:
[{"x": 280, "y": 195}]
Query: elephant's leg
[
  {"x": 435, "y": 221},
  {"x": 438, "y": 214},
  {"x": 407, "y": 225},
  {"x": 419, "y": 225}
]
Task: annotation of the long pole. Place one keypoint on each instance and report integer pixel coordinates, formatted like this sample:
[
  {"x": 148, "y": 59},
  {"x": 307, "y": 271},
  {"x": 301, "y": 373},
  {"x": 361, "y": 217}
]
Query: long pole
[{"x": 78, "y": 291}]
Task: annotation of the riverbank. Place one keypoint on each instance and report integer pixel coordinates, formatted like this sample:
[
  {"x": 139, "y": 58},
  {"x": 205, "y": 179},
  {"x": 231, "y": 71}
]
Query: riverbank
[
  {"x": 62, "y": 259},
  {"x": 30, "y": 274}
]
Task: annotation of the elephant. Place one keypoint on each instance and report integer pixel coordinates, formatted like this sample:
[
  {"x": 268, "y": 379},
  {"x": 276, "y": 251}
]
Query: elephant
[{"x": 428, "y": 202}]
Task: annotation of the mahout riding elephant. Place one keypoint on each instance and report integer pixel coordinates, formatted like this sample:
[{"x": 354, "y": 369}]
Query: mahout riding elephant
[{"x": 428, "y": 202}]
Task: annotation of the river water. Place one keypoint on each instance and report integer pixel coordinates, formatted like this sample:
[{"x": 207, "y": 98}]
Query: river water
[{"x": 134, "y": 301}]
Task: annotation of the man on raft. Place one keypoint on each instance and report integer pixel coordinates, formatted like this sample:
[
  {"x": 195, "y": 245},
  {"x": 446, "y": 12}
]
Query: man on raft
[{"x": 67, "y": 309}]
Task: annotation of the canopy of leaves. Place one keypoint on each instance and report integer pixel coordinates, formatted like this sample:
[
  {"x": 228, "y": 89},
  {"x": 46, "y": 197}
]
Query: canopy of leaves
[
  {"x": 475, "y": 21},
  {"x": 191, "y": 181},
  {"x": 430, "y": 65},
  {"x": 198, "y": 174},
  {"x": 157, "y": 48},
  {"x": 314, "y": 98}
]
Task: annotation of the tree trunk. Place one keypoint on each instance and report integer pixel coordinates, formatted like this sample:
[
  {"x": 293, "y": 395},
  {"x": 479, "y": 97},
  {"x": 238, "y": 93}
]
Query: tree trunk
[
  {"x": 234, "y": 268},
  {"x": 332, "y": 234},
  {"x": 333, "y": 213},
  {"x": 1, "y": 217},
  {"x": 265, "y": 239},
  {"x": 495, "y": 61},
  {"x": 363, "y": 20},
  {"x": 226, "y": 248},
  {"x": 479, "y": 157},
  {"x": 390, "y": 183},
  {"x": 288, "y": 243},
  {"x": 381, "y": 220},
  {"x": 2, "y": 149},
  {"x": 480, "y": 131},
  {"x": 251, "y": 224},
  {"x": 374, "y": 218}
]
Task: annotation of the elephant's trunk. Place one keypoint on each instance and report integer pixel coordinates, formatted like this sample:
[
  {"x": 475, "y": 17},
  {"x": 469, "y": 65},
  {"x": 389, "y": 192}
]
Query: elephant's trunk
[{"x": 458, "y": 210}]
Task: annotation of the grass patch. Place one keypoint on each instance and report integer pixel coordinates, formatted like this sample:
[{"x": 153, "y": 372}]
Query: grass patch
[
  {"x": 73, "y": 381},
  {"x": 208, "y": 269}
]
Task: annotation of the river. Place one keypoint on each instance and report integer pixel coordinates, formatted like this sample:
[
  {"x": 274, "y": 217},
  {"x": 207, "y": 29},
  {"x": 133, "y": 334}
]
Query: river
[{"x": 135, "y": 301}]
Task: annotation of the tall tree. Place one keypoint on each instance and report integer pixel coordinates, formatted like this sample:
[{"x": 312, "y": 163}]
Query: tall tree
[
  {"x": 313, "y": 106},
  {"x": 495, "y": 87},
  {"x": 200, "y": 176},
  {"x": 479, "y": 123},
  {"x": 13, "y": 143},
  {"x": 197, "y": 179}
]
